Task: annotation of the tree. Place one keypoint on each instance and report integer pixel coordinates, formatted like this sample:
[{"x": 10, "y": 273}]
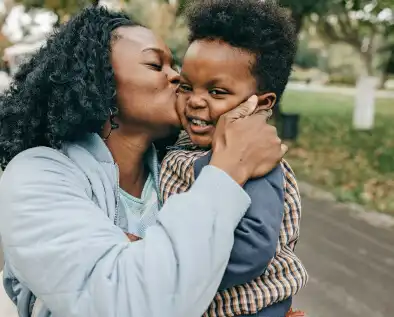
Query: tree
[
  {"x": 387, "y": 65},
  {"x": 63, "y": 9},
  {"x": 164, "y": 18},
  {"x": 364, "y": 25},
  {"x": 302, "y": 9},
  {"x": 178, "y": 5},
  {"x": 299, "y": 10},
  {"x": 8, "y": 5},
  {"x": 357, "y": 23},
  {"x": 387, "y": 52}
]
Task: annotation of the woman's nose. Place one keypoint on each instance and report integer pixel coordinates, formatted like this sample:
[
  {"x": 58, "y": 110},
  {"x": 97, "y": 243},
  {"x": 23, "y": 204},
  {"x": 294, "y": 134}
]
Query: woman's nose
[{"x": 173, "y": 77}]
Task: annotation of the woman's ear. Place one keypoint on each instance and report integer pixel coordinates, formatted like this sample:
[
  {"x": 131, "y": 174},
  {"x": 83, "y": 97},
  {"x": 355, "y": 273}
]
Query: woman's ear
[{"x": 266, "y": 101}]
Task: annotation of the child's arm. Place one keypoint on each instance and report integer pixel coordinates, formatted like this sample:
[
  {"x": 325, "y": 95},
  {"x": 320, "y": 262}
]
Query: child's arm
[{"x": 256, "y": 236}]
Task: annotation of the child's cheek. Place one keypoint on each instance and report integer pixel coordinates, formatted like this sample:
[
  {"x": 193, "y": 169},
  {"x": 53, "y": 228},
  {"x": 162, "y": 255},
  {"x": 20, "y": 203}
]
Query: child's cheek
[
  {"x": 181, "y": 104},
  {"x": 223, "y": 106}
]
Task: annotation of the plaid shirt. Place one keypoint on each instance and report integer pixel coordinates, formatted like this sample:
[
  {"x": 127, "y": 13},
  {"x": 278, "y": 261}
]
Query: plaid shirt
[{"x": 284, "y": 276}]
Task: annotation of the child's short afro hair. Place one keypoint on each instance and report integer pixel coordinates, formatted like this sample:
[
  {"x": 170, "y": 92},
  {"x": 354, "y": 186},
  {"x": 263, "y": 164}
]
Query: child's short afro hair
[{"x": 260, "y": 27}]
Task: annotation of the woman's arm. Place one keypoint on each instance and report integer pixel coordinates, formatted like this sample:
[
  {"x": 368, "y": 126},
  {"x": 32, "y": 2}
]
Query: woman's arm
[{"x": 65, "y": 249}]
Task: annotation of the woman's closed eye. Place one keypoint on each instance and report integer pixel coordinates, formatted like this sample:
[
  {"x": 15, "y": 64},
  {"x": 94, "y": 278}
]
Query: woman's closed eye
[{"x": 155, "y": 66}]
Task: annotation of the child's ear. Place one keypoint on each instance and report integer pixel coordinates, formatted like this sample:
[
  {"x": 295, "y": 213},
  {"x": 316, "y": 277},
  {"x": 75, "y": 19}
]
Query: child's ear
[{"x": 266, "y": 101}]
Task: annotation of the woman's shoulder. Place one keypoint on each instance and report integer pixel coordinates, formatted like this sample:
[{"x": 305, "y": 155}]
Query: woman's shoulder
[
  {"x": 40, "y": 155},
  {"x": 40, "y": 163}
]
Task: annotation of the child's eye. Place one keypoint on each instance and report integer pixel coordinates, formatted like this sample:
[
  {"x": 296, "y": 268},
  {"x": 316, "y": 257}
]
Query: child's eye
[
  {"x": 184, "y": 88},
  {"x": 217, "y": 92}
]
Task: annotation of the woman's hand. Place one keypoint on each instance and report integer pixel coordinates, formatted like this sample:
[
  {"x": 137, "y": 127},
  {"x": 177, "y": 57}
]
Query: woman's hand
[{"x": 244, "y": 145}]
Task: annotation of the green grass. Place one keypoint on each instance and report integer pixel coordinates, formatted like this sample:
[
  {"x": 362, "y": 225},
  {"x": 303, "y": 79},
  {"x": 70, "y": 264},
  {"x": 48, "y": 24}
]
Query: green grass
[{"x": 356, "y": 166}]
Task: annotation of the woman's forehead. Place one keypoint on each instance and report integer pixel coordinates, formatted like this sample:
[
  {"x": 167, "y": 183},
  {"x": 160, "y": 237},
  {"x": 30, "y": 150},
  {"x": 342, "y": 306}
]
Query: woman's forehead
[{"x": 141, "y": 37}]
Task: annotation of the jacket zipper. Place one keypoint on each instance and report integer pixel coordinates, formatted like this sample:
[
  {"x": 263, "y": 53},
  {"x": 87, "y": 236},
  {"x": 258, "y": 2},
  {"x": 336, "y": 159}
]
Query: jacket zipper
[
  {"x": 116, "y": 217},
  {"x": 156, "y": 174}
]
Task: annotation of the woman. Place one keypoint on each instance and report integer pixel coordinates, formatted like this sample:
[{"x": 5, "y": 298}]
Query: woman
[{"x": 76, "y": 134}]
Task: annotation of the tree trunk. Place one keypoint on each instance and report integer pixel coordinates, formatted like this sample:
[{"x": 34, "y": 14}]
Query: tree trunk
[
  {"x": 388, "y": 69},
  {"x": 383, "y": 80},
  {"x": 368, "y": 63},
  {"x": 298, "y": 21}
]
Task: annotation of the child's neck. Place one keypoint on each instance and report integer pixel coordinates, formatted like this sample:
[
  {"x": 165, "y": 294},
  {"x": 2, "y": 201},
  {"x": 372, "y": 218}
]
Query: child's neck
[{"x": 185, "y": 143}]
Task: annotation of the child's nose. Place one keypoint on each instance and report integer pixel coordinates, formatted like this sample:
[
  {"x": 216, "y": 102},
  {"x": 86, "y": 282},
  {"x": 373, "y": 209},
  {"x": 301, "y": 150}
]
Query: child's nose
[{"x": 197, "y": 102}]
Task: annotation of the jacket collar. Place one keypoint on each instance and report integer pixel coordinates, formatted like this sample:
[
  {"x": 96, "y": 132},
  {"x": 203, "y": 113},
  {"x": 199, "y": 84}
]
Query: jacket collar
[{"x": 96, "y": 146}]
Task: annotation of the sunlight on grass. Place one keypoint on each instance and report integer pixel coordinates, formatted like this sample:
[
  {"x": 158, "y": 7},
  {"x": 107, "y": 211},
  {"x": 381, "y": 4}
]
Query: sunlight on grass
[
  {"x": 357, "y": 166},
  {"x": 325, "y": 103}
]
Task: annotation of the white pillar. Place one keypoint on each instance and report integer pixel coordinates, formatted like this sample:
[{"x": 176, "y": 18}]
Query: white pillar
[{"x": 364, "y": 110}]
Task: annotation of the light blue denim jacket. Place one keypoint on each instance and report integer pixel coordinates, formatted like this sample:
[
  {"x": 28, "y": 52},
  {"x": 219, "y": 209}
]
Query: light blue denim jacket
[{"x": 62, "y": 234}]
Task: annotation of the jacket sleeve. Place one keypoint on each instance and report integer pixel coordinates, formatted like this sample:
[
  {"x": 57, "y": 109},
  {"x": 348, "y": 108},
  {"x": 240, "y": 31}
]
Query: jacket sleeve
[
  {"x": 257, "y": 234},
  {"x": 67, "y": 251}
]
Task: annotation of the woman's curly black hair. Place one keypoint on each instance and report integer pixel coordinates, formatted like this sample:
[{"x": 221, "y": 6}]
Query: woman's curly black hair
[
  {"x": 66, "y": 90},
  {"x": 260, "y": 27}
]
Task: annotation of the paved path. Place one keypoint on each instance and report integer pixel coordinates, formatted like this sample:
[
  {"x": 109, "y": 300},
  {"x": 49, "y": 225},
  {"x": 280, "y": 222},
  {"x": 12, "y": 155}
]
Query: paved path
[
  {"x": 1, "y": 253},
  {"x": 350, "y": 262}
]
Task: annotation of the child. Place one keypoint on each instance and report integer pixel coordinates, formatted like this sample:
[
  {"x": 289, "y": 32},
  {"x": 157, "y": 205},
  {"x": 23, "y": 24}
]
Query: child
[{"x": 239, "y": 49}]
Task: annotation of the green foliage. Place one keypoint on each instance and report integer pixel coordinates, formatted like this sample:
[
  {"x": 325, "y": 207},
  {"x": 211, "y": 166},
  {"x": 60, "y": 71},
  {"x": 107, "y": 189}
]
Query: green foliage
[
  {"x": 358, "y": 24},
  {"x": 62, "y": 8},
  {"x": 390, "y": 65},
  {"x": 386, "y": 4},
  {"x": 301, "y": 9},
  {"x": 306, "y": 57},
  {"x": 178, "y": 4},
  {"x": 342, "y": 79},
  {"x": 305, "y": 7},
  {"x": 162, "y": 17}
]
